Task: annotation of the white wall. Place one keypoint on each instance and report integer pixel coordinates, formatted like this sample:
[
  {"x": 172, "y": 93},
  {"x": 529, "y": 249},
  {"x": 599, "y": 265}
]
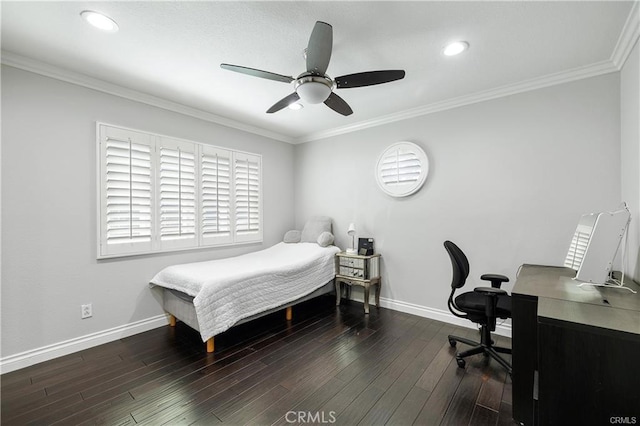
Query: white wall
[
  {"x": 509, "y": 180},
  {"x": 630, "y": 147},
  {"x": 49, "y": 265}
]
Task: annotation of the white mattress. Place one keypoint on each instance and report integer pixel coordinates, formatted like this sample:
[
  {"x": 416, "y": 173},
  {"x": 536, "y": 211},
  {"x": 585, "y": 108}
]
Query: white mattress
[{"x": 228, "y": 290}]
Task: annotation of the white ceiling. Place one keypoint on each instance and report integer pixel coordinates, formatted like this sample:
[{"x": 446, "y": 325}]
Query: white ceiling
[{"x": 173, "y": 51}]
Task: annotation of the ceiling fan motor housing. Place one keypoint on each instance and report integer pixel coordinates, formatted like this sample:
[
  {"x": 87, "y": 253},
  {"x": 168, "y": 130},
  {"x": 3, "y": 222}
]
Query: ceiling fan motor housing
[{"x": 313, "y": 89}]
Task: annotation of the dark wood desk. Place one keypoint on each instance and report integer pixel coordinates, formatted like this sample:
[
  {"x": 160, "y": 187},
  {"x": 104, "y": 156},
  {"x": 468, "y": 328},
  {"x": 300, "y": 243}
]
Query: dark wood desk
[{"x": 576, "y": 350}]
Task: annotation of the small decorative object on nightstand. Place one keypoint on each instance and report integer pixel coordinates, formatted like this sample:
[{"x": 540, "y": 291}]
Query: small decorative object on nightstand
[{"x": 353, "y": 269}]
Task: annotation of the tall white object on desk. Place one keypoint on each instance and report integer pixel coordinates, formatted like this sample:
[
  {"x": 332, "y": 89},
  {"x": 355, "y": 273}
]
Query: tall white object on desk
[{"x": 595, "y": 244}]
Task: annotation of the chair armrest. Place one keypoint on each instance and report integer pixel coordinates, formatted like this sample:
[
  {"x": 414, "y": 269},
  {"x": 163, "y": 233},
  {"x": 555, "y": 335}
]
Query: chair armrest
[
  {"x": 496, "y": 279},
  {"x": 489, "y": 291},
  {"x": 490, "y": 305}
]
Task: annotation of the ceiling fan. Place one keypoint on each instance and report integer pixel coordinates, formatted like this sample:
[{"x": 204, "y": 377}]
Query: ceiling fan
[{"x": 314, "y": 86}]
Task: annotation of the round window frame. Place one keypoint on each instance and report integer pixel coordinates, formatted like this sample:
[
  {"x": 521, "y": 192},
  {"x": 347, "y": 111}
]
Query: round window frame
[{"x": 424, "y": 169}]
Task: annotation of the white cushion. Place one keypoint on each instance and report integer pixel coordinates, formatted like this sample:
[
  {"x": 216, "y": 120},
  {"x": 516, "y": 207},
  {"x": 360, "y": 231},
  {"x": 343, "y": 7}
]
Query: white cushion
[
  {"x": 292, "y": 236},
  {"x": 325, "y": 239}
]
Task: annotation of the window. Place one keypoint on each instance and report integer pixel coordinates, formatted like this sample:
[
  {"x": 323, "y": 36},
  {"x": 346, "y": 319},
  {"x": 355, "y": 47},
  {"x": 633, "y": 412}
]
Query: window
[
  {"x": 160, "y": 194},
  {"x": 177, "y": 194},
  {"x": 216, "y": 196},
  {"x": 247, "y": 190},
  {"x": 126, "y": 191},
  {"x": 402, "y": 169}
]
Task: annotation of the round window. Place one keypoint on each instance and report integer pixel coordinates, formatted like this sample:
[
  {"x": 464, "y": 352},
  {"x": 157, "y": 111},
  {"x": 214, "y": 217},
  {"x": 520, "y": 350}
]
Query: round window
[{"x": 402, "y": 169}]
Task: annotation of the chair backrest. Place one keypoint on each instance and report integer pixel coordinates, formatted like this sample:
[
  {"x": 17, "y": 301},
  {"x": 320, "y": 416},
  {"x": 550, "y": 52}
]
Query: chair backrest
[{"x": 459, "y": 263}]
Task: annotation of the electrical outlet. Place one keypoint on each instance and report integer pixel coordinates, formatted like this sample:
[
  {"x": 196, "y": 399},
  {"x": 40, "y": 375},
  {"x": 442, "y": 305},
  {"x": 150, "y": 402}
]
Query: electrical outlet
[{"x": 86, "y": 310}]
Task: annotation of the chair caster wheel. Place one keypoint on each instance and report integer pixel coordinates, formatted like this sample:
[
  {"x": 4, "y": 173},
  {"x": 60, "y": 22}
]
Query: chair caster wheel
[
  {"x": 452, "y": 343},
  {"x": 461, "y": 362}
]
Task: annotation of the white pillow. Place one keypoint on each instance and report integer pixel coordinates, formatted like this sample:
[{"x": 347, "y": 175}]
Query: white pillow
[
  {"x": 314, "y": 227},
  {"x": 325, "y": 239},
  {"x": 292, "y": 236}
]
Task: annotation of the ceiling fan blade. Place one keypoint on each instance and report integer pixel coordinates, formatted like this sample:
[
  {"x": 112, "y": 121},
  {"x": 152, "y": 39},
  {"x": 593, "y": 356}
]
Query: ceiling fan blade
[
  {"x": 283, "y": 103},
  {"x": 257, "y": 73},
  {"x": 319, "y": 48},
  {"x": 368, "y": 78},
  {"x": 338, "y": 104}
]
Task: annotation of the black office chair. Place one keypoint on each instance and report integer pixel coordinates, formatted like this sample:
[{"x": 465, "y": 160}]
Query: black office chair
[{"x": 483, "y": 306}]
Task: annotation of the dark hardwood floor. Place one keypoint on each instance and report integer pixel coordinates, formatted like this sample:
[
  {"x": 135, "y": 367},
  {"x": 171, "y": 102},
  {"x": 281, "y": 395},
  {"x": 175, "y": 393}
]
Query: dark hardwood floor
[{"x": 329, "y": 365}]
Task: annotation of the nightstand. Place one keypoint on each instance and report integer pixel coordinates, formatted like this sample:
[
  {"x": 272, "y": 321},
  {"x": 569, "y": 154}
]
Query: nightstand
[{"x": 353, "y": 269}]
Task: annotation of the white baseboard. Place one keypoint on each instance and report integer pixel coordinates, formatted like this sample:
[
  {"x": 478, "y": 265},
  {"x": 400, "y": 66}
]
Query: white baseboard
[
  {"x": 46, "y": 353},
  {"x": 432, "y": 313}
]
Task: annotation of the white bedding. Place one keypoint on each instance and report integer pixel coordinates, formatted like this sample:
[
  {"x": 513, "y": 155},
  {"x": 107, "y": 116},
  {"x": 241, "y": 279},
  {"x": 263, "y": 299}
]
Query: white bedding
[{"x": 228, "y": 290}]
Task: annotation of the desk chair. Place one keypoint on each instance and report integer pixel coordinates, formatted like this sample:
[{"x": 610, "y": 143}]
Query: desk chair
[{"x": 482, "y": 306}]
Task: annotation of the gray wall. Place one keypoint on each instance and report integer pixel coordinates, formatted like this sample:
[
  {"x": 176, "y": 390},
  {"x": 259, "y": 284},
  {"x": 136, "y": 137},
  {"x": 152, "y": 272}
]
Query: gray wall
[
  {"x": 509, "y": 179},
  {"x": 630, "y": 146},
  {"x": 49, "y": 265},
  {"x": 508, "y": 182}
]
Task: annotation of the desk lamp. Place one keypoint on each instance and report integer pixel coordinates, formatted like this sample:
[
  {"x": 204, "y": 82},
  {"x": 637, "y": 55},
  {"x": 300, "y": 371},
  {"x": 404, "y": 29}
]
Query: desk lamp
[{"x": 352, "y": 233}]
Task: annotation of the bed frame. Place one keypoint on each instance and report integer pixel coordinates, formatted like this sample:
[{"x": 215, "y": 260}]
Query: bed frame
[{"x": 179, "y": 306}]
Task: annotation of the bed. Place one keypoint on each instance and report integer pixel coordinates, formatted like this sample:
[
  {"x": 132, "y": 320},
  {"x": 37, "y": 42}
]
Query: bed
[{"x": 214, "y": 295}]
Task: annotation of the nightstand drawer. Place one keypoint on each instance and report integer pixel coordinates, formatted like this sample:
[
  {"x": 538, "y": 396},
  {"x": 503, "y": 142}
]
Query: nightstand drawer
[
  {"x": 352, "y": 262},
  {"x": 347, "y": 271}
]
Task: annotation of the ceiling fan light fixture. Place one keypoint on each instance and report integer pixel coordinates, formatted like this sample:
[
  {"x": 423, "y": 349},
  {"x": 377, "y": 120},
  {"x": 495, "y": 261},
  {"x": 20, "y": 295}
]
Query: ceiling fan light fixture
[
  {"x": 455, "y": 48},
  {"x": 313, "y": 90},
  {"x": 99, "y": 21},
  {"x": 296, "y": 106}
]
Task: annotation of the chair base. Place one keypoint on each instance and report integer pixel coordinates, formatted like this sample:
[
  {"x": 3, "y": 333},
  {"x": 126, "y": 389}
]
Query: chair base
[{"x": 487, "y": 348}]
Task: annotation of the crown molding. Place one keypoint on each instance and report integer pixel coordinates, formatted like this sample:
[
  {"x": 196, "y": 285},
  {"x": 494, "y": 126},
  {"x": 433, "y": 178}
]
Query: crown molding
[
  {"x": 624, "y": 46},
  {"x": 628, "y": 37},
  {"x": 579, "y": 73},
  {"x": 47, "y": 70}
]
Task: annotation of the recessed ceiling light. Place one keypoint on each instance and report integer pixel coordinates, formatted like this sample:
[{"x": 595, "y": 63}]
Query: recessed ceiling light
[
  {"x": 99, "y": 20},
  {"x": 455, "y": 48},
  {"x": 295, "y": 106}
]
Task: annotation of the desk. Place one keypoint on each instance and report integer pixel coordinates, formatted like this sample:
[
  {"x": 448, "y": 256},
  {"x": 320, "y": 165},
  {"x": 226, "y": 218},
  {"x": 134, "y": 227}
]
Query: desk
[{"x": 576, "y": 350}]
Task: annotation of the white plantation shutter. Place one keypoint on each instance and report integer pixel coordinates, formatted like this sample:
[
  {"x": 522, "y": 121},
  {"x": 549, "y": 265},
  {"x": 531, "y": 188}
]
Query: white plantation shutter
[
  {"x": 577, "y": 249},
  {"x": 580, "y": 242},
  {"x": 215, "y": 203},
  {"x": 126, "y": 203},
  {"x": 248, "y": 206},
  {"x": 159, "y": 194},
  {"x": 177, "y": 193},
  {"x": 402, "y": 169}
]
